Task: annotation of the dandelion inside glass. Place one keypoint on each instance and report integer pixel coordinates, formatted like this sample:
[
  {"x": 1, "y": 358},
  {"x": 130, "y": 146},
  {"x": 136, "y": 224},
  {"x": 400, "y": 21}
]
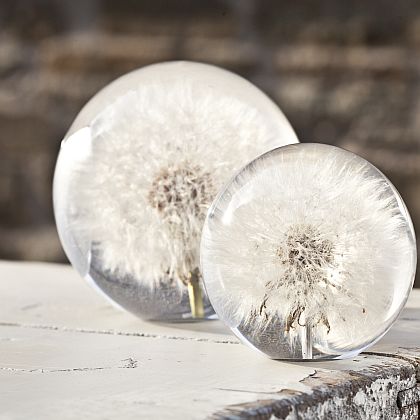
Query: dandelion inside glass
[
  {"x": 308, "y": 253},
  {"x": 138, "y": 170}
]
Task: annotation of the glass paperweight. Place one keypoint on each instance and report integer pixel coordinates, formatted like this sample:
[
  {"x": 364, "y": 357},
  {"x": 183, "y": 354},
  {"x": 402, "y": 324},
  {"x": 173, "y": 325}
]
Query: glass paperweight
[
  {"x": 138, "y": 170},
  {"x": 308, "y": 253}
]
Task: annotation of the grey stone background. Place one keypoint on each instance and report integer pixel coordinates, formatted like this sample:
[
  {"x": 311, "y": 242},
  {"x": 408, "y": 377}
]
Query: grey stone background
[{"x": 344, "y": 72}]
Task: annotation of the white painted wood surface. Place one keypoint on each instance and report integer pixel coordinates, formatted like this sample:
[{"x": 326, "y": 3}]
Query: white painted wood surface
[{"x": 66, "y": 353}]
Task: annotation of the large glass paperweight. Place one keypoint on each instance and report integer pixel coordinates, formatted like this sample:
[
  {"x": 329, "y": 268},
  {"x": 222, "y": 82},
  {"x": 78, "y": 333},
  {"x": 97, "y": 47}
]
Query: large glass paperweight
[
  {"x": 308, "y": 253},
  {"x": 138, "y": 170}
]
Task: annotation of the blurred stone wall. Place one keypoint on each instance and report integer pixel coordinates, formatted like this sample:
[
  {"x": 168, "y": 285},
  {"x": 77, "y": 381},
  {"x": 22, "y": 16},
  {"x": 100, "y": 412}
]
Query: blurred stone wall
[{"x": 344, "y": 72}]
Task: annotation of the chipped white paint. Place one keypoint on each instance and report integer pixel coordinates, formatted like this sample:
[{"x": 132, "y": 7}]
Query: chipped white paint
[{"x": 65, "y": 353}]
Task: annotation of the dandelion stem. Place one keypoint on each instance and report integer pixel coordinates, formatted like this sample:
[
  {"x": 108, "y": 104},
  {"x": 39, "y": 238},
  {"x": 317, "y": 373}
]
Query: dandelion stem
[
  {"x": 195, "y": 295},
  {"x": 306, "y": 341}
]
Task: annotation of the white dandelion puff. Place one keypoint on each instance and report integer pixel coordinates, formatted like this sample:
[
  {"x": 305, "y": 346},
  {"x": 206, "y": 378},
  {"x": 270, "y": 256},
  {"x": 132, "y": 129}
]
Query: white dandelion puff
[
  {"x": 158, "y": 153},
  {"x": 314, "y": 240}
]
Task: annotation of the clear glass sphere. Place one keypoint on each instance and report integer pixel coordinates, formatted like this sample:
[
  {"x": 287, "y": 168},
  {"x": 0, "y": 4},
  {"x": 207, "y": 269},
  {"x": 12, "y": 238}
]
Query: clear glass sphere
[
  {"x": 137, "y": 171},
  {"x": 308, "y": 253}
]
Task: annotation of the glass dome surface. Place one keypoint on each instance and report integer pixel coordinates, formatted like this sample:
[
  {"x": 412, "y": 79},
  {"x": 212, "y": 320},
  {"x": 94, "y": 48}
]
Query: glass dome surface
[
  {"x": 138, "y": 170},
  {"x": 308, "y": 253}
]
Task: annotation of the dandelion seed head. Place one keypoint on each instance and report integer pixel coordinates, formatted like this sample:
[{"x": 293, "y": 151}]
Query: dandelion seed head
[
  {"x": 309, "y": 235},
  {"x": 161, "y": 144}
]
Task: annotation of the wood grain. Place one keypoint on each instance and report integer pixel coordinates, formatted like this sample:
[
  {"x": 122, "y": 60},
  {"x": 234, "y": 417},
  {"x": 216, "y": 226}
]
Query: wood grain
[{"x": 66, "y": 353}]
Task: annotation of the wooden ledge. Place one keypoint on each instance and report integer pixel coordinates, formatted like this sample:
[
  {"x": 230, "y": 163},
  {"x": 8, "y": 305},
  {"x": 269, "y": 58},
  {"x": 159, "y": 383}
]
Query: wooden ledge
[{"x": 66, "y": 353}]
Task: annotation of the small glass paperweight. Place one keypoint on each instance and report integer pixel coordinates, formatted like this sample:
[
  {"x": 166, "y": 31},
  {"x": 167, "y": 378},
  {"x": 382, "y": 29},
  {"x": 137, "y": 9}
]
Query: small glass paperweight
[
  {"x": 308, "y": 253},
  {"x": 138, "y": 170}
]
